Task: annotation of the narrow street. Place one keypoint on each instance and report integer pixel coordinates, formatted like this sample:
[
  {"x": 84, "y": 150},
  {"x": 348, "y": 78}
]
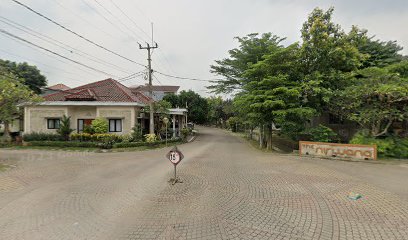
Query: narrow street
[{"x": 229, "y": 191}]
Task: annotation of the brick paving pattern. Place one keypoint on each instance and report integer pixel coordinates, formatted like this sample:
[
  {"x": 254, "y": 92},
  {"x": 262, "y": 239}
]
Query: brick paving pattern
[{"x": 229, "y": 191}]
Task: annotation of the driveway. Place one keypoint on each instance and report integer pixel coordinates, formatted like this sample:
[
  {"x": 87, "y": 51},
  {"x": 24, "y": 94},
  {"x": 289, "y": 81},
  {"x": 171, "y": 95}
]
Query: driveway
[{"x": 229, "y": 191}]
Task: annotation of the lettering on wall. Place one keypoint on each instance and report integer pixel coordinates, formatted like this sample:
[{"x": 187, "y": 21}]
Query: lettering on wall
[{"x": 354, "y": 151}]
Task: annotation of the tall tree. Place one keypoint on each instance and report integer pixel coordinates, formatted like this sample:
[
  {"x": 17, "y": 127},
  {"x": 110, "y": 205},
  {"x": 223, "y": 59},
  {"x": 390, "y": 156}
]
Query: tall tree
[
  {"x": 12, "y": 93},
  {"x": 29, "y": 75},
  {"x": 376, "y": 100},
  {"x": 251, "y": 49},
  {"x": 197, "y": 105}
]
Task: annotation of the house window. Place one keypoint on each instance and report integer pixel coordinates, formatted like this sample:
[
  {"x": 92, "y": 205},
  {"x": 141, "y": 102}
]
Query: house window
[
  {"x": 83, "y": 123},
  {"x": 53, "y": 123},
  {"x": 115, "y": 125}
]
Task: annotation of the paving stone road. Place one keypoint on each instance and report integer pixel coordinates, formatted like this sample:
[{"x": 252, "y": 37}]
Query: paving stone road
[{"x": 230, "y": 191}]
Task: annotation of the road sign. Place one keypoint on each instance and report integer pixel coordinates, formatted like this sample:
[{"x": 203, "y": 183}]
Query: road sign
[{"x": 175, "y": 156}]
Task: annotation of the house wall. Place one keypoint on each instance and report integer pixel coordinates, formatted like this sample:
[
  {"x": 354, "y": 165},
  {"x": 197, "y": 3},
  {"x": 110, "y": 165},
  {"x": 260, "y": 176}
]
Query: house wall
[
  {"x": 127, "y": 114},
  {"x": 80, "y": 112},
  {"x": 35, "y": 117}
]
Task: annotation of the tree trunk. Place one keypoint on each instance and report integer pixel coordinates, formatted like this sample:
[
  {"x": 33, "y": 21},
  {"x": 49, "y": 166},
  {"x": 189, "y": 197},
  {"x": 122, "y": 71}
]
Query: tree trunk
[
  {"x": 6, "y": 135},
  {"x": 269, "y": 138},
  {"x": 261, "y": 136}
]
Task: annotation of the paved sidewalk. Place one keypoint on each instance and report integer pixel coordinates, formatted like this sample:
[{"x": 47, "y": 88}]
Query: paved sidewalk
[{"x": 230, "y": 191}]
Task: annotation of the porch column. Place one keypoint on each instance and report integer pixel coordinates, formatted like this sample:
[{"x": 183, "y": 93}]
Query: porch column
[
  {"x": 180, "y": 125},
  {"x": 174, "y": 126}
]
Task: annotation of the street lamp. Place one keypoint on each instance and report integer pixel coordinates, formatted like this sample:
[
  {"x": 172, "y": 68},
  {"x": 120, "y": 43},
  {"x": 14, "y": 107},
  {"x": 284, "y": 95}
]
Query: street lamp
[{"x": 166, "y": 121}]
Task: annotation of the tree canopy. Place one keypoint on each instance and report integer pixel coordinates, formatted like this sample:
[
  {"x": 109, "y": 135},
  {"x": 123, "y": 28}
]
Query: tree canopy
[
  {"x": 349, "y": 74},
  {"x": 28, "y": 74},
  {"x": 197, "y": 106},
  {"x": 12, "y": 93}
]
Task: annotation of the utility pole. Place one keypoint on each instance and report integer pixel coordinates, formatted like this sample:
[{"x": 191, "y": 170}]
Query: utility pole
[{"x": 149, "y": 60}]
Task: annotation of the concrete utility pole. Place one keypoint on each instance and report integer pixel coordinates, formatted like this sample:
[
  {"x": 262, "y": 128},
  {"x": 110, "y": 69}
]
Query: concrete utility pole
[{"x": 149, "y": 60}]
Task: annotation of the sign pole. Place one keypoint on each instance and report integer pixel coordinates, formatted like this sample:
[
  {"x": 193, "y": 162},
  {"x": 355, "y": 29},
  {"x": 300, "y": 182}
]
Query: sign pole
[
  {"x": 175, "y": 156},
  {"x": 175, "y": 172}
]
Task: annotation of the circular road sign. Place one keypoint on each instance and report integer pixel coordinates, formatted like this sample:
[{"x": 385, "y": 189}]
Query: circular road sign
[{"x": 175, "y": 156}]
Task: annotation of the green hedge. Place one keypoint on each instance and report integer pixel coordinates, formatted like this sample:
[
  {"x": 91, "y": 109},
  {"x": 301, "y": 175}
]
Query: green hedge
[
  {"x": 140, "y": 144},
  {"x": 63, "y": 144},
  {"x": 42, "y": 137},
  {"x": 387, "y": 147}
]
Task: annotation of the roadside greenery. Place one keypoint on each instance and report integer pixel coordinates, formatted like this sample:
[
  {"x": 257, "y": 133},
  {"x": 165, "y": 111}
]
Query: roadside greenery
[
  {"x": 349, "y": 75},
  {"x": 12, "y": 93}
]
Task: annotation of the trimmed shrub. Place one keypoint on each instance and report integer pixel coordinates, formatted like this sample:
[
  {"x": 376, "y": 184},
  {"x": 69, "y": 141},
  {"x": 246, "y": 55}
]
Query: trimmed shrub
[
  {"x": 100, "y": 125},
  {"x": 29, "y": 137},
  {"x": 81, "y": 137},
  {"x": 321, "y": 134},
  {"x": 185, "y": 132},
  {"x": 64, "y": 144},
  {"x": 150, "y": 138},
  {"x": 140, "y": 144},
  {"x": 394, "y": 147}
]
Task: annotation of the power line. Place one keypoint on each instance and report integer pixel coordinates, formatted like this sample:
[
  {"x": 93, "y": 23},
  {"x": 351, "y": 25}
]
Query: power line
[
  {"x": 60, "y": 44},
  {"x": 185, "y": 78},
  {"x": 110, "y": 13},
  {"x": 50, "y": 55},
  {"x": 50, "y": 51},
  {"x": 76, "y": 34},
  {"x": 79, "y": 16},
  {"x": 124, "y": 14},
  {"x": 35, "y": 61}
]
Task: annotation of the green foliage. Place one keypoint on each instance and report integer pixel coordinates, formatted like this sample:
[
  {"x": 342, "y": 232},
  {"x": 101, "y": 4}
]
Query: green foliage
[
  {"x": 232, "y": 123},
  {"x": 137, "y": 134},
  {"x": 150, "y": 138},
  {"x": 197, "y": 106},
  {"x": 326, "y": 72},
  {"x": 100, "y": 125},
  {"x": 376, "y": 100},
  {"x": 28, "y": 75},
  {"x": 65, "y": 128},
  {"x": 386, "y": 147},
  {"x": 219, "y": 111},
  {"x": 12, "y": 93},
  {"x": 141, "y": 144},
  {"x": 251, "y": 49},
  {"x": 88, "y": 129},
  {"x": 97, "y": 137},
  {"x": 321, "y": 134},
  {"x": 30, "y": 137},
  {"x": 64, "y": 144},
  {"x": 82, "y": 137},
  {"x": 185, "y": 132}
]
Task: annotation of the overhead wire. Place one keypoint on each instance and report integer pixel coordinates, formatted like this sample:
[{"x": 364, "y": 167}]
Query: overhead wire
[
  {"x": 52, "y": 52},
  {"x": 76, "y": 34},
  {"x": 186, "y": 78},
  {"x": 85, "y": 70},
  {"x": 114, "y": 16},
  {"x": 60, "y": 44},
  {"x": 38, "y": 62}
]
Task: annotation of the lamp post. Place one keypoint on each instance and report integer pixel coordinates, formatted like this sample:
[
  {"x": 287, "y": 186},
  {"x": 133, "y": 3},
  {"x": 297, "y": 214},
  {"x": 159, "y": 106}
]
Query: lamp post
[{"x": 166, "y": 121}]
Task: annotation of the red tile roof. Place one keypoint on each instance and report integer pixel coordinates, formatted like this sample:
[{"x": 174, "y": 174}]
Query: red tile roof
[
  {"x": 145, "y": 88},
  {"x": 59, "y": 86},
  {"x": 108, "y": 90}
]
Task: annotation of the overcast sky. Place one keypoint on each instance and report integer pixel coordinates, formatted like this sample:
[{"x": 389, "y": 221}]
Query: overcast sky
[{"x": 190, "y": 34}]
